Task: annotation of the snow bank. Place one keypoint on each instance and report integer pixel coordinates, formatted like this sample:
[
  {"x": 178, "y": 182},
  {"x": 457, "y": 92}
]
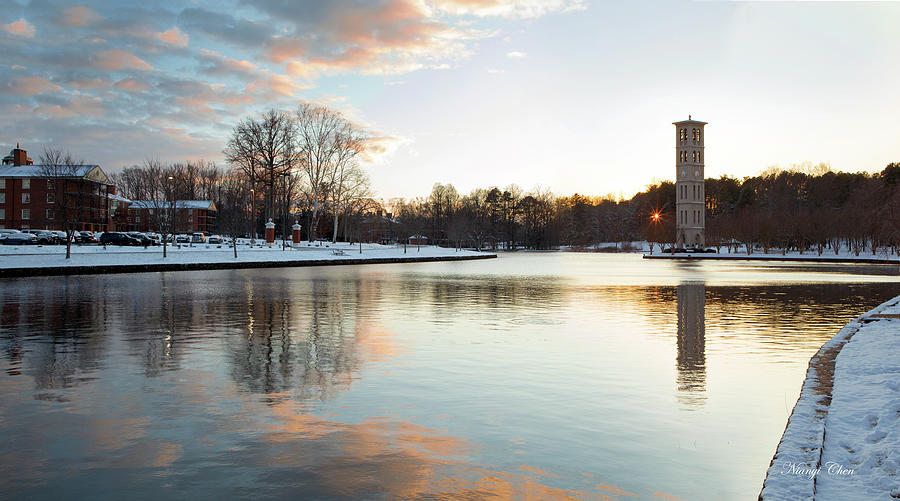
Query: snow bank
[
  {"x": 842, "y": 440},
  {"x": 882, "y": 256},
  {"x": 43, "y": 258}
]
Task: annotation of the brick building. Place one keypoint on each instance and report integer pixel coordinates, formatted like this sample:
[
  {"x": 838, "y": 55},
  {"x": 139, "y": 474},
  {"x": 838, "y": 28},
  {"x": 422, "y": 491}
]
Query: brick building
[
  {"x": 28, "y": 195},
  {"x": 191, "y": 216}
]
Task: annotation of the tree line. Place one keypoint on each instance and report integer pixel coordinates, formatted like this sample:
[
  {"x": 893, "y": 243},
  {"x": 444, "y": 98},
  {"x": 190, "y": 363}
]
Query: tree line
[{"x": 804, "y": 208}]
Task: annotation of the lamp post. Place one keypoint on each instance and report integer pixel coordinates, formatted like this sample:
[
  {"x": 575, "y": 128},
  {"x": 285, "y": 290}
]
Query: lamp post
[
  {"x": 171, "y": 225},
  {"x": 252, "y": 216},
  {"x": 284, "y": 194}
]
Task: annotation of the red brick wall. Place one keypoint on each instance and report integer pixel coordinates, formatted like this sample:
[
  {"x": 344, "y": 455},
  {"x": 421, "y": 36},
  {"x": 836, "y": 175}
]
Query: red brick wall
[{"x": 94, "y": 215}]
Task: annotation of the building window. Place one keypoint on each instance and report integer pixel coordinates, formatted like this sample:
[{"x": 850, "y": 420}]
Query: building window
[
  {"x": 2, "y": 213},
  {"x": 2, "y": 198},
  {"x": 2, "y": 184},
  {"x": 26, "y": 198},
  {"x": 26, "y": 184},
  {"x": 51, "y": 198},
  {"x": 49, "y": 184},
  {"x": 26, "y": 214},
  {"x": 51, "y": 214},
  {"x": 137, "y": 219}
]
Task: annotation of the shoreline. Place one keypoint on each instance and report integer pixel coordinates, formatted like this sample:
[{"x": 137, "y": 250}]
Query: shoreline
[
  {"x": 95, "y": 262},
  {"x": 802, "y": 467},
  {"x": 775, "y": 257}
]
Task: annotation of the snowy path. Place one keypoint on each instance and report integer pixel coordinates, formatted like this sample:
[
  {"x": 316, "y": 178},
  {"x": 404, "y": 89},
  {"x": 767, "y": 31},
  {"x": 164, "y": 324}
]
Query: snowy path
[
  {"x": 21, "y": 260},
  {"x": 843, "y": 438}
]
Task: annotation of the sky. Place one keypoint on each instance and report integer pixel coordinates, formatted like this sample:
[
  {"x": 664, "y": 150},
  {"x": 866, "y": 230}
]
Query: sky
[{"x": 566, "y": 95}]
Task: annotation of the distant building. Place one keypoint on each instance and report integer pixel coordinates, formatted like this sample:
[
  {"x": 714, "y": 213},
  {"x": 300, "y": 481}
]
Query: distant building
[
  {"x": 690, "y": 212},
  {"x": 18, "y": 156},
  {"x": 27, "y": 197},
  {"x": 418, "y": 240},
  {"x": 191, "y": 216}
]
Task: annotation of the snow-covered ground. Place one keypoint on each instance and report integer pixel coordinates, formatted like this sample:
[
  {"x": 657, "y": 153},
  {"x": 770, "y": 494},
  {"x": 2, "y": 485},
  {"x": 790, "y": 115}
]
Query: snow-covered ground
[
  {"x": 842, "y": 440},
  {"x": 48, "y": 256},
  {"x": 883, "y": 255}
]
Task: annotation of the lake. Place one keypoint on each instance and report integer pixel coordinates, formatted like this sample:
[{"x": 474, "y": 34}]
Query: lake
[{"x": 534, "y": 375}]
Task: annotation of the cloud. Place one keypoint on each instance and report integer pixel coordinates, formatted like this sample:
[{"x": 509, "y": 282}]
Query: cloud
[
  {"x": 131, "y": 85},
  {"x": 30, "y": 86},
  {"x": 20, "y": 28},
  {"x": 130, "y": 71},
  {"x": 78, "y": 16},
  {"x": 379, "y": 147},
  {"x": 117, "y": 60},
  {"x": 87, "y": 83},
  {"x": 216, "y": 64},
  {"x": 281, "y": 85},
  {"x": 517, "y": 54},
  {"x": 173, "y": 37},
  {"x": 515, "y": 9}
]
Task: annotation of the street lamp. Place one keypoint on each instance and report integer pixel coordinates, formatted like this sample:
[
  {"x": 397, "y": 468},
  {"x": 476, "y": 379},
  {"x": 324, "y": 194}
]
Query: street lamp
[
  {"x": 172, "y": 207},
  {"x": 252, "y": 216}
]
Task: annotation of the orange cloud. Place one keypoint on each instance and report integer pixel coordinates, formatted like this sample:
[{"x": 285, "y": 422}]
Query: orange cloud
[
  {"x": 20, "y": 28},
  {"x": 276, "y": 83},
  {"x": 30, "y": 86},
  {"x": 131, "y": 85},
  {"x": 78, "y": 16},
  {"x": 117, "y": 60},
  {"x": 173, "y": 37},
  {"x": 87, "y": 83}
]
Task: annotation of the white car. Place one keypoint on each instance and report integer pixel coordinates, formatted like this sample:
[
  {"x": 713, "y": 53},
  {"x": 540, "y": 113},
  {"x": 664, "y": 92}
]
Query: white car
[{"x": 198, "y": 238}]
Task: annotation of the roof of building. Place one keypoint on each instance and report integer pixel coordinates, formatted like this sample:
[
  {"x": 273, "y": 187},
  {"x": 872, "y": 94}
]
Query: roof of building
[
  {"x": 92, "y": 172},
  {"x": 118, "y": 198},
  {"x": 180, "y": 204},
  {"x": 690, "y": 121}
]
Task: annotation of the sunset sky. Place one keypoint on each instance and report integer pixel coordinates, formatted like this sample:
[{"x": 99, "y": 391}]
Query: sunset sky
[{"x": 571, "y": 95}]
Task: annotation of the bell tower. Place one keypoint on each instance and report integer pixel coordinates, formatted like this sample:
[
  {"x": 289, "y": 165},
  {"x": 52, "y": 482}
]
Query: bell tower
[{"x": 690, "y": 199}]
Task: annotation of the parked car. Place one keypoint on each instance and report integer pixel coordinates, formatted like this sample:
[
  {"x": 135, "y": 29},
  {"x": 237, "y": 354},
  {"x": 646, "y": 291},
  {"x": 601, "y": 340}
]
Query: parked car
[
  {"x": 43, "y": 237},
  {"x": 19, "y": 238},
  {"x": 61, "y": 236},
  {"x": 198, "y": 238},
  {"x": 142, "y": 238},
  {"x": 214, "y": 239},
  {"x": 116, "y": 238},
  {"x": 182, "y": 239},
  {"x": 87, "y": 237}
]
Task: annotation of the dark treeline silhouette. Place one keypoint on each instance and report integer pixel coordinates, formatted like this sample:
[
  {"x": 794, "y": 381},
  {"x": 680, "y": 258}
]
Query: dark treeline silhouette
[{"x": 803, "y": 208}]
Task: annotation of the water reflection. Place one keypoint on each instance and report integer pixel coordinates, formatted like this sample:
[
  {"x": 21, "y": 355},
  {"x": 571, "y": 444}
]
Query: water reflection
[
  {"x": 691, "y": 341},
  {"x": 403, "y": 382}
]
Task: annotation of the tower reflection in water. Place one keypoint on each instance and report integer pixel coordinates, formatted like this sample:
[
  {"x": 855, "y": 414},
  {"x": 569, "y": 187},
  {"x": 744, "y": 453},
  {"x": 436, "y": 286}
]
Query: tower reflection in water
[{"x": 691, "y": 358}]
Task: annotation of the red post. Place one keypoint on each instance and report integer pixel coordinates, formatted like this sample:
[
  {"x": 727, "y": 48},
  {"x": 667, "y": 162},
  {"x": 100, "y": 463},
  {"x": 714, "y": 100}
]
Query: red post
[
  {"x": 270, "y": 232},
  {"x": 295, "y": 233}
]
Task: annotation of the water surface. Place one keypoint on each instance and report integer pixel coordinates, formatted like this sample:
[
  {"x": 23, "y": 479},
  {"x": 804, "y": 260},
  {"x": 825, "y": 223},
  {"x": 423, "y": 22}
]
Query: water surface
[{"x": 547, "y": 375}]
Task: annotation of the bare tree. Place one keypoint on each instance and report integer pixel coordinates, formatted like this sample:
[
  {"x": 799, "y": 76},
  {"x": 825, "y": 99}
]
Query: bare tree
[
  {"x": 326, "y": 142},
  {"x": 233, "y": 209},
  {"x": 66, "y": 189},
  {"x": 264, "y": 149},
  {"x": 165, "y": 183}
]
